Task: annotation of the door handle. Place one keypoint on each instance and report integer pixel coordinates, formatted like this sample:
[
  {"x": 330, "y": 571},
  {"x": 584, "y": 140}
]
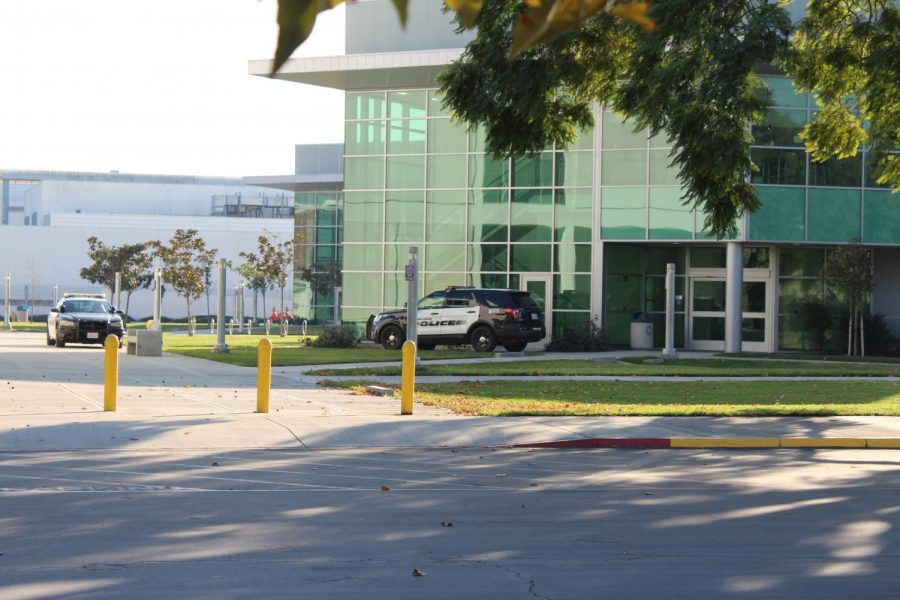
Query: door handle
[{"x": 434, "y": 313}]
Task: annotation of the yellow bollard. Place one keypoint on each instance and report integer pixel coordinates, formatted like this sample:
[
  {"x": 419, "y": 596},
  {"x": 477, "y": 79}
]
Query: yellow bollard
[
  {"x": 408, "y": 378},
  {"x": 110, "y": 372},
  {"x": 263, "y": 375}
]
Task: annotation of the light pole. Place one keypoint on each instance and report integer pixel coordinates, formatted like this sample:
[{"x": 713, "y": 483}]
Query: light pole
[
  {"x": 7, "y": 288},
  {"x": 221, "y": 347}
]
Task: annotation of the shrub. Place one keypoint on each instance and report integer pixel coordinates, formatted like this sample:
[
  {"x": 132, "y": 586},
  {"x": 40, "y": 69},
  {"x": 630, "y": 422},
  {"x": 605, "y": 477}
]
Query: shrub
[
  {"x": 815, "y": 317},
  {"x": 879, "y": 340},
  {"x": 586, "y": 339},
  {"x": 333, "y": 337}
]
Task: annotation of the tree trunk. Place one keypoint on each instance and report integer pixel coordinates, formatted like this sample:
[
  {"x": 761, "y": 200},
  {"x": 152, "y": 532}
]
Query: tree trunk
[
  {"x": 127, "y": 302},
  {"x": 862, "y": 335},
  {"x": 188, "y": 299},
  {"x": 850, "y": 332},
  {"x": 263, "y": 293}
]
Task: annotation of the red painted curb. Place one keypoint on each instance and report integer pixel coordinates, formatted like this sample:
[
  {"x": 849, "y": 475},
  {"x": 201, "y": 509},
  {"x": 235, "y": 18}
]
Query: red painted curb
[{"x": 602, "y": 443}]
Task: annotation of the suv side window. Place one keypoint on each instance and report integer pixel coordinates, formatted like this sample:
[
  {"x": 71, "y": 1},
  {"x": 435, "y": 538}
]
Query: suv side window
[
  {"x": 495, "y": 299},
  {"x": 460, "y": 298},
  {"x": 435, "y": 300}
]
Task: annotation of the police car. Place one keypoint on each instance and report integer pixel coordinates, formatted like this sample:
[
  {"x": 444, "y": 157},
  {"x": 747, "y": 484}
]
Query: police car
[
  {"x": 480, "y": 317},
  {"x": 83, "y": 319}
]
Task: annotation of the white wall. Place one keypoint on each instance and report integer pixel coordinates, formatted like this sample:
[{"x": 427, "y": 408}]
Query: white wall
[{"x": 44, "y": 256}]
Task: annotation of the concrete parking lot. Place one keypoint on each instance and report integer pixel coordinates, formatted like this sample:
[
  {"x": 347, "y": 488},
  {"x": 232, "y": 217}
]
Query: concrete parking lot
[{"x": 185, "y": 492}]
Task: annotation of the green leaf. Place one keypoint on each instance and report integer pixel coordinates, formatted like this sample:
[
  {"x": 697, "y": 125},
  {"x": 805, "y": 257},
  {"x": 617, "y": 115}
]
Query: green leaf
[
  {"x": 466, "y": 10},
  {"x": 296, "y": 19}
]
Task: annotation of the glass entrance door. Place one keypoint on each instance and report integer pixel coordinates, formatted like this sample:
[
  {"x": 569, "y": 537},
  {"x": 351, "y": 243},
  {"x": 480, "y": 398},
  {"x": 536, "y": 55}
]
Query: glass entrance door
[
  {"x": 754, "y": 323},
  {"x": 707, "y": 323},
  {"x": 541, "y": 289}
]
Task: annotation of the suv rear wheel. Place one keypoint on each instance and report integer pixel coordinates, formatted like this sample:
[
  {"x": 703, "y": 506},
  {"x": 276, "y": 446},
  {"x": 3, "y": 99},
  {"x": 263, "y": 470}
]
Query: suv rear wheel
[
  {"x": 517, "y": 347},
  {"x": 392, "y": 337},
  {"x": 483, "y": 340}
]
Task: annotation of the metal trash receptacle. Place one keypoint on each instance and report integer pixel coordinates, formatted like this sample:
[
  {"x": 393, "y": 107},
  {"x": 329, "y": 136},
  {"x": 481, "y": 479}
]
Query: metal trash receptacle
[{"x": 641, "y": 331}]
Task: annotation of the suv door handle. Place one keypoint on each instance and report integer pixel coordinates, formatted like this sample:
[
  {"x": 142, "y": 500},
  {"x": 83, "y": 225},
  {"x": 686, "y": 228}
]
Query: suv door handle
[
  {"x": 435, "y": 313},
  {"x": 471, "y": 312}
]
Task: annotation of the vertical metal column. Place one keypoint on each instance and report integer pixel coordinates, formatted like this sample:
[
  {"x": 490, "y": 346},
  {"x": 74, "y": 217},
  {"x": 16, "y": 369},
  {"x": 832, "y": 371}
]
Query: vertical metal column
[
  {"x": 734, "y": 284},
  {"x": 117, "y": 293},
  {"x": 7, "y": 290},
  {"x": 669, "y": 351},
  {"x": 157, "y": 298},
  {"x": 412, "y": 278},
  {"x": 221, "y": 347}
]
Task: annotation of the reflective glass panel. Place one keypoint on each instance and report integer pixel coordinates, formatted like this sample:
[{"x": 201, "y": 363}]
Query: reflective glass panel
[
  {"x": 533, "y": 171},
  {"x": 367, "y": 105},
  {"x": 445, "y": 216},
  {"x": 777, "y": 166},
  {"x": 882, "y": 219},
  {"x": 364, "y": 137},
  {"x": 436, "y": 104},
  {"x": 364, "y": 218},
  {"x": 618, "y": 133},
  {"x": 753, "y": 330},
  {"x": 575, "y": 169},
  {"x": 781, "y": 127},
  {"x": 708, "y": 257},
  {"x": 756, "y": 258},
  {"x": 447, "y": 171},
  {"x": 709, "y": 296},
  {"x": 569, "y": 258},
  {"x": 362, "y": 289},
  {"x": 572, "y": 292},
  {"x": 845, "y": 172},
  {"x": 488, "y": 257},
  {"x": 364, "y": 173},
  {"x": 834, "y": 215},
  {"x": 445, "y": 257},
  {"x": 624, "y": 167},
  {"x": 564, "y": 322},
  {"x": 405, "y": 172},
  {"x": 670, "y": 219},
  {"x": 406, "y": 136},
  {"x": 754, "y": 297},
  {"x": 405, "y": 216},
  {"x": 488, "y": 215},
  {"x": 361, "y": 257},
  {"x": 659, "y": 256},
  {"x": 802, "y": 262},
  {"x": 660, "y": 171},
  {"x": 446, "y": 136},
  {"x": 396, "y": 290},
  {"x": 709, "y": 329},
  {"x": 574, "y": 215},
  {"x": 531, "y": 216},
  {"x": 623, "y": 214},
  {"x": 784, "y": 93},
  {"x": 530, "y": 257},
  {"x": 781, "y": 214},
  {"x": 407, "y": 104},
  {"x": 486, "y": 172},
  {"x": 623, "y": 259}
]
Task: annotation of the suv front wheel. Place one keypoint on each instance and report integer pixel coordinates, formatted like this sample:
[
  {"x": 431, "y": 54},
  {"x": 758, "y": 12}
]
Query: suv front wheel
[
  {"x": 483, "y": 340},
  {"x": 392, "y": 338}
]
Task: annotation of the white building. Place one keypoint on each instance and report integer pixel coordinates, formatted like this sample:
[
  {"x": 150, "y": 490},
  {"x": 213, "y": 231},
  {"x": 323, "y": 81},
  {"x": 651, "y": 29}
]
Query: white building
[{"x": 47, "y": 217}]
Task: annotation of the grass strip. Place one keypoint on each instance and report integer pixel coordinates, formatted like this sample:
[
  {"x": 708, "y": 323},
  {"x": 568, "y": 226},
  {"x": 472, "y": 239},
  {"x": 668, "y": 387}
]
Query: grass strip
[
  {"x": 671, "y": 399},
  {"x": 816, "y": 357},
  {"x": 289, "y": 351},
  {"x": 635, "y": 366}
]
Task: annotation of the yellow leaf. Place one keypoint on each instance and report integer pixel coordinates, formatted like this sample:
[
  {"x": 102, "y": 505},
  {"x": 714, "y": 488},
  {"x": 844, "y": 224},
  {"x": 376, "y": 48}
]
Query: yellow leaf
[
  {"x": 296, "y": 19},
  {"x": 466, "y": 10},
  {"x": 402, "y": 12},
  {"x": 636, "y": 12}
]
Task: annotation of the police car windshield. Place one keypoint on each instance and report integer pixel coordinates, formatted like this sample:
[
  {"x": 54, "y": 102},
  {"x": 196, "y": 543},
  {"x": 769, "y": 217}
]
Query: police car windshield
[{"x": 87, "y": 306}]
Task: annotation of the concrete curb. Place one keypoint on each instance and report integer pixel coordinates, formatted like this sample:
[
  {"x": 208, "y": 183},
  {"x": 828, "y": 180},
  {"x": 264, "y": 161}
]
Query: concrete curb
[{"x": 719, "y": 443}]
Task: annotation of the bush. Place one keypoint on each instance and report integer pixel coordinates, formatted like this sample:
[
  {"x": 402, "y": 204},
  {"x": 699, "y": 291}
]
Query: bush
[
  {"x": 815, "y": 317},
  {"x": 333, "y": 337},
  {"x": 587, "y": 339}
]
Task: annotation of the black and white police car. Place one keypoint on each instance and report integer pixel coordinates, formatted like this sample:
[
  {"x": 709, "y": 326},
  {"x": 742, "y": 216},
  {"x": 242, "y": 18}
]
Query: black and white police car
[
  {"x": 480, "y": 317},
  {"x": 83, "y": 319}
]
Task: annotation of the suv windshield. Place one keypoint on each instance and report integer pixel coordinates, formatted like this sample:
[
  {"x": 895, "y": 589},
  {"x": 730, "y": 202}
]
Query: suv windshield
[
  {"x": 87, "y": 306},
  {"x": 524, "y": 300}
]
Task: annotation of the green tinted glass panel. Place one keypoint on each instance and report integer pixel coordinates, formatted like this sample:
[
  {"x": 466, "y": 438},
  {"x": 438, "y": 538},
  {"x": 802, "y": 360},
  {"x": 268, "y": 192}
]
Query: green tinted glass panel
[
  {"x": 488, "y": 215},
  {"x": 326, "y": 235},
  {"x": 445, "y": 257},
  {"x": 655, "y": 293},
  {"x": 436, "y": 104},
  {"x": 445, "y": 216},
  {"x": 365, "y": 106},
  {"x": 476, "y": 140},
  {"x": 445, "y": 136},
  {"x": 792, "y": 292},
  {"x": 708, "y": 257},
  {"x": 659, "y": 256},
  {"x": 623, "y": 259},
  {"x": 439, "y": 281},
  {"x": 659, "y": 329},
  {"x": 620, "y": 134},
  {"x": 756, "y": 258},
  {"x": 753, "y": 299},
  {"x": 572, "y": 292},
  {"x": 709, "y": 329},
  {"x": 486, "y": 172},
  {"x": 670, "y": 219},
  {"x": 530, "y": 257},
  {"x": 361, "y": 257},
  {"x": 709, "y": 296},
  {"x": 584, "y": 140},
  {"x": 574, "y": 215},
  {"x": 407, "y": 104},
  {"x": 362, "y": 289},
  {"x": 624, "y": 167},
  {"x": 405, "y": 172},
  {"x": 533, "y": 171},
  {"x": 846, "y": 172},
  {"x": 575, "y": 169},
  {"x": 623, "y": 214},
  {"x": 364, "y": 137},
  {"x": 489, "y": 280},
  {"x": 781, "y": 127},
  {"x": 364, "y": 216},
  {"x": 488, "y": 257},
  {"x": 872, "y": 172},
  {"x": 396, "y": 256},
  {"x": 780, "y": 215},
  {"x": 447, "y": 171},
  {"x": 565, "y": 322},
  {"x": 882, "y": 220},
  {"x": 363, "y": 173},
  {"x": 801, "y": 262},
  {"x": 784, "y": 93},
  {"x": 405, "y": 216},
  {"x": 396, "y": 290},
  {"x": 406, "y": 136},
  {"x": 303, "y": 256},
  {"x": 834, "y": 215},
  {"x": 660, "y": 171},
  {"x": 569, "y": 258},
  {"x": 531, "y": 215},
  {"x": 775, "y": 166}
]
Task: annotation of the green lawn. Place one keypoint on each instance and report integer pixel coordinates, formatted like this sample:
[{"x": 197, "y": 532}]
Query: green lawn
[
  {"x": 810, "y": 356},
  {"x": 636, "y": 366},
  {"x": 289, "y": 351},
  {"x": 20, "y": 326},
  {"x": 724, "y": 399}
]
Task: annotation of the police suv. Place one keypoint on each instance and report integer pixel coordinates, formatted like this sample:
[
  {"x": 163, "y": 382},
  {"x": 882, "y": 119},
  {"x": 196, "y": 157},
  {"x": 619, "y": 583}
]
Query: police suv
[{"x": 480, "y": 317}]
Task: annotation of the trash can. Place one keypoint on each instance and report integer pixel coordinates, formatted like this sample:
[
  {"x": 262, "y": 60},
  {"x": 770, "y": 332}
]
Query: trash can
[
  {"x": 641, "y": 331},
  {"x": 22, "y": 313}
]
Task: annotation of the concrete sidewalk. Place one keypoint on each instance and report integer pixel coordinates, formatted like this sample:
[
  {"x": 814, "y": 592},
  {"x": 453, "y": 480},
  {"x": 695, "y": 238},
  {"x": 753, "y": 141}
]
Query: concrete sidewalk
[{"x": 52, "y": 399}]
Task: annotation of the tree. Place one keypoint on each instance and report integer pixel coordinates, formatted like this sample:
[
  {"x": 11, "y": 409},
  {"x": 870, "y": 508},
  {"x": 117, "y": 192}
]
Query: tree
[
  {"x": 271, "y": 265},
  {"x": 133, "y": 261},
  {"x": 851, "y": 271},
  {"x": 254, "y": 277},
  {"x": 186, "y": 260},
  {"x": 685, "y": 71}
]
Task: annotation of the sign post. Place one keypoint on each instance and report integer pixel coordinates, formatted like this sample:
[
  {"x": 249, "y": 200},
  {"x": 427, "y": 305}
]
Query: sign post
[
  {"x": 412, "y": 279},
  {"x": 7, "y": 283},
  {"x": 221, "y": 347},
  {"x": 669, "y": 351}
]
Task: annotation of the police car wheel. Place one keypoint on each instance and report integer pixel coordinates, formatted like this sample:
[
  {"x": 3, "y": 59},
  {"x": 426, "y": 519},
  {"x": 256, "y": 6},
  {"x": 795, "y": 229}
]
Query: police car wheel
[
  {"x": 483, "y": 340},
  {"x": 517, "y": 347},
  {"x": 392, "y": 338}
]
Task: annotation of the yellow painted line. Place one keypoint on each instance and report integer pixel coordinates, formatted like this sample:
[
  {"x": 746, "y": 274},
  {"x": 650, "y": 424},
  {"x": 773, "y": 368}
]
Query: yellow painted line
[
  {"x": 883, "y": 443},
  {"x": 724, "y": 442},
  {"x": 823, "y": 443}
]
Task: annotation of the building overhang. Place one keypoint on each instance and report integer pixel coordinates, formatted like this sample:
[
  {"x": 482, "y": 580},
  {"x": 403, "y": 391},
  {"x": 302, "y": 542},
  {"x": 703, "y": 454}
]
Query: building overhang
[
  {"x": 355, "y": 72},
  {"x": 328, "y": 182}
]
